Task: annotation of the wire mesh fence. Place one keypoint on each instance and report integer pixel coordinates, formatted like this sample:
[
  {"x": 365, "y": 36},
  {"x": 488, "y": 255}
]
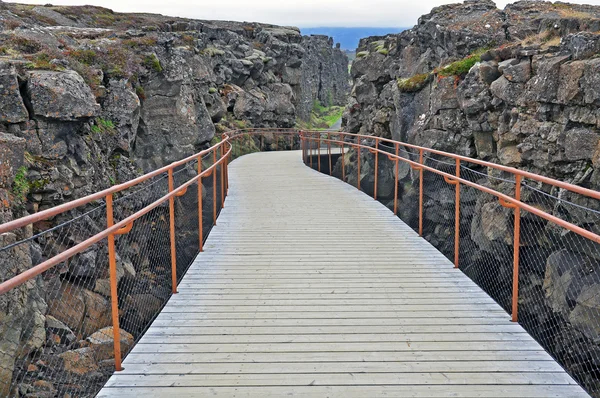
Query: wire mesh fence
[
  {"x": 558, "y": 289},
  {"x": 58, "y": 329}
]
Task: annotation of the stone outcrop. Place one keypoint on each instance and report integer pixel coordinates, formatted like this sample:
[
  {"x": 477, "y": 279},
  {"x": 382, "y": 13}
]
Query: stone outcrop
[
  {"x": 518, "y": 87},
  {"x": 90, "y": 98}
]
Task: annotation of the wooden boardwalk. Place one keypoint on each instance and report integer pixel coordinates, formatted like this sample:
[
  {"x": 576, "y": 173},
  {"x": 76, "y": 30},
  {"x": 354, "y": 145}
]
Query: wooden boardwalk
[{"x": 308, "y": 287}]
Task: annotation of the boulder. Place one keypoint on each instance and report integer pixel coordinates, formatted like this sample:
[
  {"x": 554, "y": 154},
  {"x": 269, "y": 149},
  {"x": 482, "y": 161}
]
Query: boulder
[
  {"x": 12, "y": 108},
  {"x": 81, "y": 361},
  {"x": 581, "y": 143},
  {"x": 82, "y": 310},
  {"x": 173, "y": 122},
  {"x": 586, "y": 313},
  {"x": 12, "y": 153},
  {"x": 102, "y": 343},
  {"x": 565, "y": 278},
  {"x": 56, "y": 328},
  {"x": 122, "y": 107},
  {"x": 23, "y": 308},
  {"x": 60, "y": 96}
]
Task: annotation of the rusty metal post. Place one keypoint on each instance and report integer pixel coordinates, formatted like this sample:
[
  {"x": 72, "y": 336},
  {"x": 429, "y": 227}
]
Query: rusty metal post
[
  {"x": 310, "y": 148},
  {"x": 376, "y": 168},
  {"x": 172, "y": 234},
  {"x": 329, "y": 150},
  {"x": 200, "y": 232},
  {"x": 319, "y": 151},
  {"x": 516, "y": 244},
  {"x": 114, "y": 302},
  {"x": 343, "y": 163},
  {"x": 214, "y": 174},
  {"x": 421, "y": 193},
  {"x": 222, "y": 176},
  {"x": 396, "y": 184},
  {"x": 358, "y": 165},
  {"x": 456, "y": 183},
  {"x": 457, "y": 216}
]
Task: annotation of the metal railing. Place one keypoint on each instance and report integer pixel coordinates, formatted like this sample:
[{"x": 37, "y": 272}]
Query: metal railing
[
  {"x": 553, "y": 224},
  {"x": 165, "y": 221}
]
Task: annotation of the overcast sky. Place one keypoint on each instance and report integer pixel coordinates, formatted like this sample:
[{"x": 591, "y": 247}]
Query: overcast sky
[{"x": 303, "y": 13}]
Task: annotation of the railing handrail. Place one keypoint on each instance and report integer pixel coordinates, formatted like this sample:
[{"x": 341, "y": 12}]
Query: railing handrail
[
  {"x": 29, "y": 274},
  {"x": 509, "y": 200},
  {"x": 537, "y": 177}
]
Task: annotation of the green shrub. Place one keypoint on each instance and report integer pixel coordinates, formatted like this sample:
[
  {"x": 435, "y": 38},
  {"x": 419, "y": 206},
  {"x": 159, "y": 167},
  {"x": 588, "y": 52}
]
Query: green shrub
[
  {"x": 212, "y": 90},
  {"x": 414, "y": 83},
  {"x": 362, "y": 54},
  {"x": 104, "y": 126},
  {"x": 86, "y": 57},
  {"x": 151, "y": 61},
  {"x": 383, "y": 51},
  {"x": 141, "y": 93},
  {"x": 20, "y": 186}
]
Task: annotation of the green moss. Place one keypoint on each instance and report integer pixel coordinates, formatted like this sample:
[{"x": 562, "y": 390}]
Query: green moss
[
  {"x": 321, "y": 117},
  {"x": 41, "y": 61},
  {"x": 86, "y": 57},
  {"x": 151, "y": 61},
  {"x": 414, "y": 83},
  {"x": 104, "y": 126},
  {"x": 141, "y": 93},
  {"x": 212, "y": 90},
  {"x": 383, "y": 51},
  {"x": 38, "y": 185},
  {"x": 362, "y": 54},
  {"x": 20, "y": 186},
  {"x": 212, "y": 52},
  {"x": 462, "y": 67}
]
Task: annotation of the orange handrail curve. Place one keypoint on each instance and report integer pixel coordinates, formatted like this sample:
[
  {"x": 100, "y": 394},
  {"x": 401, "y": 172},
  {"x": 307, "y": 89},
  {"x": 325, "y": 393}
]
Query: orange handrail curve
[
  {"x": 45, "y": 214},
  {"x": 59, "y": 258},
  {"x": 523, "y": 206}
]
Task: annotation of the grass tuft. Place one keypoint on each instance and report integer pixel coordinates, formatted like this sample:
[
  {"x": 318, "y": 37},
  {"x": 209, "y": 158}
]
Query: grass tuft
[{"x": 414, "y": 83}]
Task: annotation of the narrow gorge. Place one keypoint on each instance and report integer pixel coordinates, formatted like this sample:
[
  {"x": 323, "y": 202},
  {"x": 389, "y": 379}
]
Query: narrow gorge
[{"x": 90, "y": 98}]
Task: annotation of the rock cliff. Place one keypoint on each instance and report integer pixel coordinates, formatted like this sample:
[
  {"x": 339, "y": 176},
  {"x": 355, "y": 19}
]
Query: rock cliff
[
  {"x": 90, "y": 98},
  {"x": 518, "y": 87}
]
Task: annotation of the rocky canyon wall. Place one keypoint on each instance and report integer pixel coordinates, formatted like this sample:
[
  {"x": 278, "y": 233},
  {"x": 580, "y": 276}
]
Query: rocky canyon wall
[
  {"x": 90, "y": 98},
  {"x": 518, "y": 87}
]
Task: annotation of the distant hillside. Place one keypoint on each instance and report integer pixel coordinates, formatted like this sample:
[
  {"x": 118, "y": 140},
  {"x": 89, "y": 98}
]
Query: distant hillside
[{"x": 349, "y": 37}]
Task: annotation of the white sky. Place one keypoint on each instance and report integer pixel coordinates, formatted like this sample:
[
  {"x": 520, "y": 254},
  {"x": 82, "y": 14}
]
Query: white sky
[{"x": 303, "y": 13}]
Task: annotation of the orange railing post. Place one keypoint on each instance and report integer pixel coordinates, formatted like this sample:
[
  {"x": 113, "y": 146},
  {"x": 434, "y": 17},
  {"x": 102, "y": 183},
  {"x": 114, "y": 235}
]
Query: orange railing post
[
  {"x": 214, "y": 174},
  {"x": 310, "y": 148},
  {"x": 222, "y": 176},
  {"x": 516, "y": 245},
  {"x": 329, "y": 150},
  {"x": 358, "y": 164},
  {"x": 376, "y": 168},
  {"x": 421, "y": 193},
  {"x": 114, "y": 302},
  {"x": 396, "y": 184},
  {"x": 456, "y": 183},
  {"x": 343, "y": 162},
  {"x": 457, "y": 217},
  {"x": 319, "y": 152},
  {"x": 172, "y": 234},
  {"x": 200, "y": 232}
]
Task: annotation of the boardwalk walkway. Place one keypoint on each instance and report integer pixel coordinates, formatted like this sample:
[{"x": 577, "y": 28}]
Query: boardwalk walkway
[{"x": 308, "y": 287}]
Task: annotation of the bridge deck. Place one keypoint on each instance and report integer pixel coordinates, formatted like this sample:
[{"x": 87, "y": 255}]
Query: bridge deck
[{"x": 308, "y": 287}]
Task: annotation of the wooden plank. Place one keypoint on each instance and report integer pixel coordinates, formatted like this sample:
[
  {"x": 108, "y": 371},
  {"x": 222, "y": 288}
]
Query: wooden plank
[
  {"x": 318, "y": 379},
  {"x": 340, "y": 346},
  {"x": 347, "y": 356},
  {"x": 414, "y": 391},
  {"x": 342, "y": 367}
]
